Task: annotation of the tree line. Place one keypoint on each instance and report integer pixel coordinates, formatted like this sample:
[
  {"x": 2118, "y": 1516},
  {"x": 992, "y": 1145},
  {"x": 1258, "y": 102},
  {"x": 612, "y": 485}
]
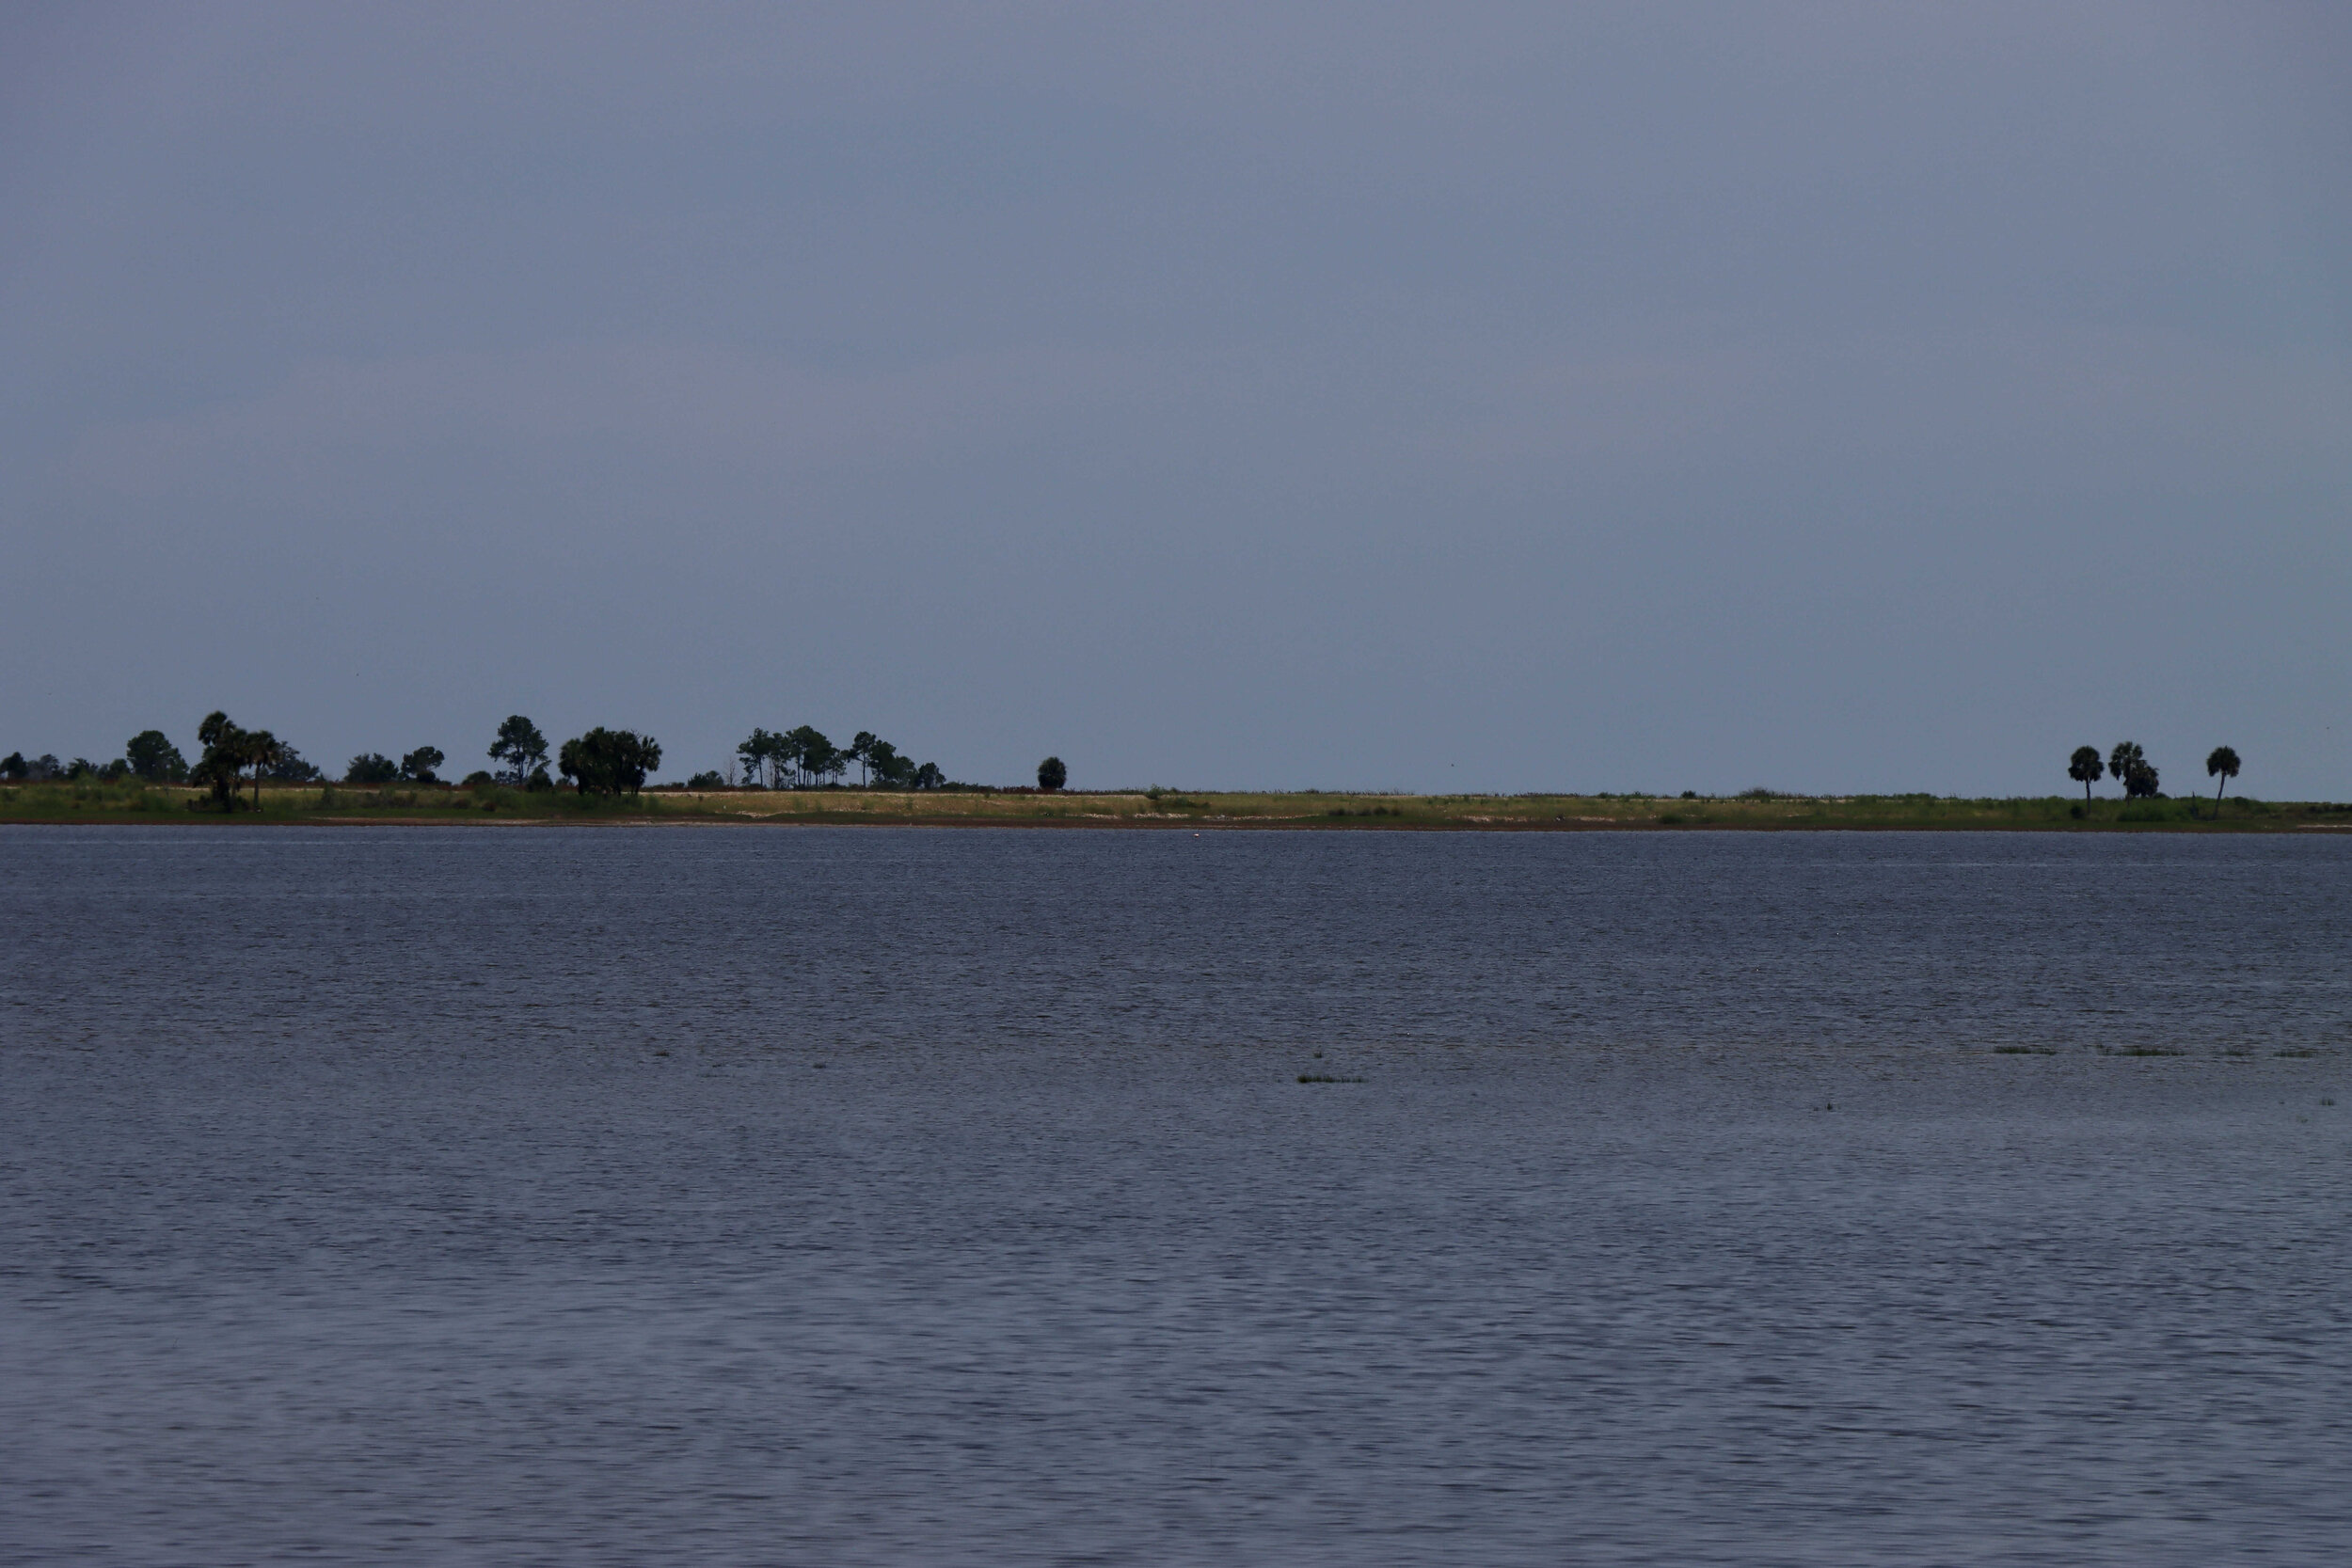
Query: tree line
[
  {"x": 601, "y": 762},
  {"x": 804, "y": 758},
  {"x": 2129, "y": 766},
  {"x": 613, "y": 762}
]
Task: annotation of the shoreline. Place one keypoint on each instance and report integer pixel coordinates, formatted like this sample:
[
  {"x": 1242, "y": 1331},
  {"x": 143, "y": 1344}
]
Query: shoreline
[{"x": 414, "y": 806}]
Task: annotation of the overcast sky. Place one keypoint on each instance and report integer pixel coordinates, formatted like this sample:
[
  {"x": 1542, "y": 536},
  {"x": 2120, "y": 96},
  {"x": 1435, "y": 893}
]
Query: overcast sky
[{"x": 1444, "y": 397}]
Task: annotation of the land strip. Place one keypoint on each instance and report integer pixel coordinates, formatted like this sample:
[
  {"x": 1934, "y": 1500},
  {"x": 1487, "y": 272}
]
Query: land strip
[{"x": 90, "y": 801}]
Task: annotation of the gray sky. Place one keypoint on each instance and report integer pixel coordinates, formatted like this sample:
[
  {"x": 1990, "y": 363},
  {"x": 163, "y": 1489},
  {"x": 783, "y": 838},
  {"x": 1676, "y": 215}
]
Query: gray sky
[{"x": 1828, "y": 397}]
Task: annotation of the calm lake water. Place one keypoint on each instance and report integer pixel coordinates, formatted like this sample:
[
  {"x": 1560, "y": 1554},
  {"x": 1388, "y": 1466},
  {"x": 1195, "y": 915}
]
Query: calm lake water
[{"x": 845, "y": 1196}]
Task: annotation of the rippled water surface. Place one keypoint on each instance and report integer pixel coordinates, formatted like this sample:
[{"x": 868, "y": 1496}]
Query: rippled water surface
[{"x": 840, "y": 1196}]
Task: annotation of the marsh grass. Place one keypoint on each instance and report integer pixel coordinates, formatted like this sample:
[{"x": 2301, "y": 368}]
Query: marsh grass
[{"x": 1325, "y": 1078}]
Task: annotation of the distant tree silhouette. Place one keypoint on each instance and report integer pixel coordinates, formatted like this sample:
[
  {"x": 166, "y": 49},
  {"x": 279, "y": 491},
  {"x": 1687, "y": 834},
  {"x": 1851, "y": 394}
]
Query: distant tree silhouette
[
  {"x": 577, "y": 768},
  {"x": 861, "y": 751},
  {"x": 264, "y": 752},
  {"x": 290, "y": 767},
  {"x": 2130, "y": 766},
  {"x": 761, "y": 750},
  {"x": 813, "y": 756},
  {"x": 419, "y": 765},
  {"x": 2222, "y": 761},
  {"x": 14, "y": 768},
  {"x": 609, "y": 761},
  {"x": 521, "y": 747},
  {"x": 228, "y": 753},
  {"x": 890, "y": 770},
  {"x": 224, "y": 759},
  {"x": 2084, "y": 769},
  {"x": 154, "y": 758},
  {"x": 928, "y": 777},
  {"x": 1051, "y": 774},
  {"x": 372, "y": 768}
]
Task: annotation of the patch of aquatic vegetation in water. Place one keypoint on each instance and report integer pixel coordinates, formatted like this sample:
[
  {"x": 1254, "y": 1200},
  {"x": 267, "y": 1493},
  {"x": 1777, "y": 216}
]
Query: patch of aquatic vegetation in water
[{"x": 1325, "y": 1078}]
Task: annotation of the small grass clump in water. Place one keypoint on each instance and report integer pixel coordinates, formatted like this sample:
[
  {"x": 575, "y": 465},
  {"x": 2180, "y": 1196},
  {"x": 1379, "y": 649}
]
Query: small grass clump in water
[
  {"x": 2022, "y": 1051},
  {"x": 1325, "y": 1078}
]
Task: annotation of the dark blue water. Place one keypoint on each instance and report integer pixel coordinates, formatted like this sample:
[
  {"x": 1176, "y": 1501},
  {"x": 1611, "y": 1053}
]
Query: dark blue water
[{"x": 899, "y": 1197}]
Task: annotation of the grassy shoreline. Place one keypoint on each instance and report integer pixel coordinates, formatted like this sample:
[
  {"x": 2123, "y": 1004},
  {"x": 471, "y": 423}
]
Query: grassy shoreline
[{"x": 87, "y": 801}]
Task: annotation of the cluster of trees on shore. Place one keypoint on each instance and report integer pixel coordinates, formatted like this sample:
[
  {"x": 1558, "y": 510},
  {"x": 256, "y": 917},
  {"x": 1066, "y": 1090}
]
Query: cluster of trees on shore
[
  {"x": 235, "y": 759},
  {"x": 230, "y": 753},
  {"x": 149, "y": 756},
  {"x": 417, "y": 766},
  {"x": 601, "y": 762},
  {"x": 232, "y": 757},
  {"x": 804, "y": 758},
  {"x": 2129, "y": 766}
]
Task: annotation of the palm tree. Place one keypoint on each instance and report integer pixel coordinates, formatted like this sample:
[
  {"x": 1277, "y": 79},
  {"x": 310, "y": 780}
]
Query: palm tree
[
  {"x": 262, "y": 751},
  {"x": 2223, "y": 761},
  {"x": 224, "y": 757},
  {"x": 2126, "y": 756},
  {"x": 2084, "y": 769}
]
